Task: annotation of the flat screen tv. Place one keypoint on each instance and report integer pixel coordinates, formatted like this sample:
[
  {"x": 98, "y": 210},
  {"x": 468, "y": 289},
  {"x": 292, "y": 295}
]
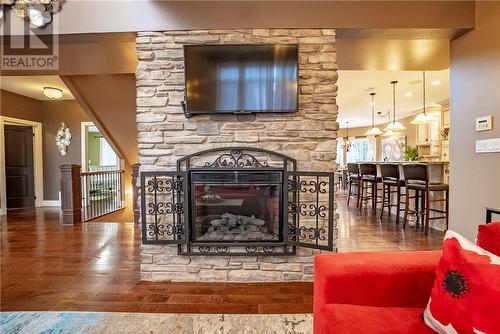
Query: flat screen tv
[{"x": 240, "y": 78}]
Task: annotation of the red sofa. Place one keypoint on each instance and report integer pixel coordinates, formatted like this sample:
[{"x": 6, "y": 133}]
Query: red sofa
[{"x": 379, "y": 292}]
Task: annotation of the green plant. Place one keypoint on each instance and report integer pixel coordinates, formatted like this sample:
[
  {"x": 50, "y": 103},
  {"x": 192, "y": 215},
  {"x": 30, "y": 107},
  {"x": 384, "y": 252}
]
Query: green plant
[{"x": 410, "y": 153}]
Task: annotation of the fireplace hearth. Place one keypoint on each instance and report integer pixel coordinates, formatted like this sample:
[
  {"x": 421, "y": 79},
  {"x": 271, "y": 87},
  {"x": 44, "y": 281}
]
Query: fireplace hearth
[{"x": 237, "y": 201}]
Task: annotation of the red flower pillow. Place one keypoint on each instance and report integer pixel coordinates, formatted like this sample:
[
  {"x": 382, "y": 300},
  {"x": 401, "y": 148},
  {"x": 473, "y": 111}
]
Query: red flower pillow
[
  {"x": 465, "y": 297},
  {"x": 488, "y": 237}
]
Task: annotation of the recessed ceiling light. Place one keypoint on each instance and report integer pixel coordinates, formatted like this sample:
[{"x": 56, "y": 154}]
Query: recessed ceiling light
[
  {"x": 52, "y": 92},
  {"x": 436, "y": 82},
  {"x": 408, "y": 94}
]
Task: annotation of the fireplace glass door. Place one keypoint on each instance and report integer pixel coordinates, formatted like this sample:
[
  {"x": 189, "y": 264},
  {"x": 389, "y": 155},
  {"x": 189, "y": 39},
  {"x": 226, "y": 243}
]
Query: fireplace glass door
[{"x": 237, "y": 206}]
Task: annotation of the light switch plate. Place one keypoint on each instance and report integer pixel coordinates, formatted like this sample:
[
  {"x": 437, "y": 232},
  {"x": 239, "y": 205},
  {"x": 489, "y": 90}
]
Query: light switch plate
[
  {"x": 488, "y": 145},
  {"x": 484, "y": 123}
]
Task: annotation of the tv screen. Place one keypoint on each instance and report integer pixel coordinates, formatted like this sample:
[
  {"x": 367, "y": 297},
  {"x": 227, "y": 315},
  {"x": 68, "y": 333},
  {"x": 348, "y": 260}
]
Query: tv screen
[{"x": 241, "y": 78}]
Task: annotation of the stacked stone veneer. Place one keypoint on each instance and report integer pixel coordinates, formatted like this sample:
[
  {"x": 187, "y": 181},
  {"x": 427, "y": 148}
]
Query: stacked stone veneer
[{"x": 165, "y": 135}]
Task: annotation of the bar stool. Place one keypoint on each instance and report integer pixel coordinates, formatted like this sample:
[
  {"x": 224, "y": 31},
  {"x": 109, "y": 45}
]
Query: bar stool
[
  {"x": 417, "y": 179},
  {"x": 353, "y": 176},
  {"x": 391, "y": 178},
  {"x": 368, "y": 181}
]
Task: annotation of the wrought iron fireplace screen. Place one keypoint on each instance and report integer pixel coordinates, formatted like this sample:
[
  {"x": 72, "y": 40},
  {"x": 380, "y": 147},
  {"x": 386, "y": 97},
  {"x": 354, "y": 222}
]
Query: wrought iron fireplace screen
[{"x": 237, "y": 201}]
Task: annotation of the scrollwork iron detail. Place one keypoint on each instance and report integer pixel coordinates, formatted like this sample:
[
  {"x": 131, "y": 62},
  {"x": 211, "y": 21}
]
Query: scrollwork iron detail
[
  {"x": 317, "y": 187},
  {"x": 204, "y": 249},
  {"x": 174, "y": 207},
  {"x": 294, "y": 208},
  {"x": 268, "y": 249},
  {"x": 155, "y": 185},
  {"x": 221, "y": 249},
  {"x": 156, "y": 230},
  {"x": 173, "y": 185},
  {"x": 237, "y": 158},
  {"x": 292, "y": 231},
  {"x": 156, "y": 208},
  {"x": 312, "y": 233},
  {"x": 292, "y": 185},
  {"x": 317, "y": 210},
  {"x": 251, "y": 249}
]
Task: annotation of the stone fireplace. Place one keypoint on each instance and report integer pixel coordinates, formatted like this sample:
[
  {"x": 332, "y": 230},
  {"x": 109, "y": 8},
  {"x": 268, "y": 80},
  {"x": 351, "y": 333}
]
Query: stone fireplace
[
  {"x": 166, "y": 137},
  {"x": 237, "y": 201}
]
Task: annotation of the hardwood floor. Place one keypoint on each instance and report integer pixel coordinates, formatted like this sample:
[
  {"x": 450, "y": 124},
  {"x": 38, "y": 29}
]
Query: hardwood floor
[{"x": 95, "y": 267}]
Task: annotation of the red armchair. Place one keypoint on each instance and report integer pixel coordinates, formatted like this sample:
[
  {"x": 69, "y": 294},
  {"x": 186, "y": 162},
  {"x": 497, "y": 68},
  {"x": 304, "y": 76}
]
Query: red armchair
[
  {"x": 373, "y": 292},
  {"x": 379, "y": 293}
]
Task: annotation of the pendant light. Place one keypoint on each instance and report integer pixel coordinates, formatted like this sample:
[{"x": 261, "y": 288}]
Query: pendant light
[
  {"x": 390, "y": 133},
  {"x": 373, "y": 131},
  {"x": 423, "y": 117},
  {"x": 394, "y": 126},
  {"x": 346, "y": 145}
]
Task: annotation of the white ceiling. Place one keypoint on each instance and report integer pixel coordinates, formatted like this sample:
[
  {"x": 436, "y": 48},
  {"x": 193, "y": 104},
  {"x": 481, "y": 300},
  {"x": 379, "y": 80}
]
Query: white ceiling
[
  {"x": 354, "y": 88},
  {"x": 32, "y": 86}
]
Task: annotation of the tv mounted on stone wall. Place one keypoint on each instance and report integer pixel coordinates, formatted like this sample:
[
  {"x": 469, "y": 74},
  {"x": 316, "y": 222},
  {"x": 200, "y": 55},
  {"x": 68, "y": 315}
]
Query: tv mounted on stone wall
[{"x": 251, "y": 78}]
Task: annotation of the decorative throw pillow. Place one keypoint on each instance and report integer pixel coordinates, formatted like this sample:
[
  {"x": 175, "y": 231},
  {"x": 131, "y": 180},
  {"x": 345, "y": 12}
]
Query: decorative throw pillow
[
  {"x": 465, "y": 297},
  {"x": 488, "y": 237}
]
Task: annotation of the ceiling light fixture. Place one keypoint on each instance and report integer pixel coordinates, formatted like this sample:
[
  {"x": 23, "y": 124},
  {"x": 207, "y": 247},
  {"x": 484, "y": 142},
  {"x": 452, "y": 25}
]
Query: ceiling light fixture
[
  {"x": 394, "y": 126},
  {"x": 39, "y": 13},
  {"x": 424, "y": 117},
  {"x": 373, "y": 131},
  {"x": 52, "y": 92}
]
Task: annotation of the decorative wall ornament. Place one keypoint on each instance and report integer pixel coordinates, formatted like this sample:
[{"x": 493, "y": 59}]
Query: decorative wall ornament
[
  {"x": 63, "y": 138},
  {"x": 392, "y": 147},
  {"x": 38, "y": 12}
]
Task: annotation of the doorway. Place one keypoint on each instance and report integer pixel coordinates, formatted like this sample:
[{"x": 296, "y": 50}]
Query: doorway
[
  {"x": 19, "y": 167},
  {"x": 36, "y": 194},
  {"x": 97, "y": 153}
]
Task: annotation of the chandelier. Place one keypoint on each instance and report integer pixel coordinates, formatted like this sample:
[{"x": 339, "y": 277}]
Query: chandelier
[
  {"x": 423, "y": 117},
  {"x": 346, "y": 144},
  {"x": 373, "y": 131},
  {"x": 38, "y": 12}
]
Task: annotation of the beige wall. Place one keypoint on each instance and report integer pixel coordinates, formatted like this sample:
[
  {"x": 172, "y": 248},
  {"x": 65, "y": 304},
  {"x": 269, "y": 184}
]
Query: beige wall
[
  {"x": 110, "y": 102},
  {"x": 475, "y": 82},
  {"x": 50, "y": 114},
  {"x": 18, "y": 106},
  {"x": 55, "y": 112},
  {"x": 410, "y": 132}
]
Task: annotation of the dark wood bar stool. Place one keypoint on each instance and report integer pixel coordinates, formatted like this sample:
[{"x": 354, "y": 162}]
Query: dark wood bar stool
[
  {"x": 353, "y": 182},
  {"x": 369, "y": 181},
  {"x": 417, "y": 179},
  {"x": 391, "y": 178}
]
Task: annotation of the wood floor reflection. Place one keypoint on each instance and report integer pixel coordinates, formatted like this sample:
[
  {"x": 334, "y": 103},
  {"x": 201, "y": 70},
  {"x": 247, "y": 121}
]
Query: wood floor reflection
[{"x": 95, "y": 267}]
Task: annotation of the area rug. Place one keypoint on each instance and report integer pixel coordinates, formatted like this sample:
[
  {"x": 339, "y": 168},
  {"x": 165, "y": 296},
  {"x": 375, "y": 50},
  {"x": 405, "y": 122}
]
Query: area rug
[{"x": 152, "y": 323}]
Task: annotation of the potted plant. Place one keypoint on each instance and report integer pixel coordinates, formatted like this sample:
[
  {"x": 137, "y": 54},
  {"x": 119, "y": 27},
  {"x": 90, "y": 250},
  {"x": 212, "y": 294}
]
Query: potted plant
[{"x": 410, "y": 153}]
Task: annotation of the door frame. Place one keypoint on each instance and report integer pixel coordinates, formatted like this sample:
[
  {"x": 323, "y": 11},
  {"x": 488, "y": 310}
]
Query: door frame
[
  {"x": 83, "y": 141},
  {"x": 37, "y": 160}
]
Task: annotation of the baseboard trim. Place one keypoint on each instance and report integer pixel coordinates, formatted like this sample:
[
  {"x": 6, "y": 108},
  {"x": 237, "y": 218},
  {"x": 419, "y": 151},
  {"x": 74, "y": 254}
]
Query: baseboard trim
[{"x": 51, "y": 203}]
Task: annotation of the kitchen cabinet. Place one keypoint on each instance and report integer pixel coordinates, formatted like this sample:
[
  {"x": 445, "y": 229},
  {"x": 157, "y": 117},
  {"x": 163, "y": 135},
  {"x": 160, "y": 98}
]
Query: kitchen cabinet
[{"x": 429, "y": 133}]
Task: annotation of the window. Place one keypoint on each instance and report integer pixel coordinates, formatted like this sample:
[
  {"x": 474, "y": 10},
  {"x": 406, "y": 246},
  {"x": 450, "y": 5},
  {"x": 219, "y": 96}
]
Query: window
[
  {"x": 362, "y": 149},
  {"x": 340, "y": 160}
]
